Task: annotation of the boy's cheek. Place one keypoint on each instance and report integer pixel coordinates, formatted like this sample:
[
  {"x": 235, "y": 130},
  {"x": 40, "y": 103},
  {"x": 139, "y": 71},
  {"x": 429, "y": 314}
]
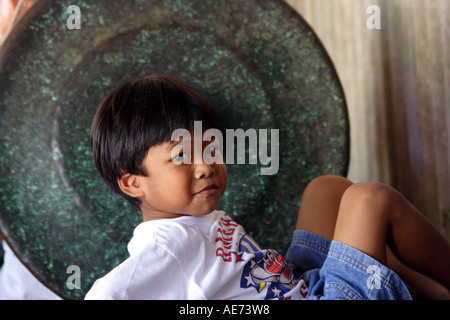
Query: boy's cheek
[
  {"x": 224, "y": 174},
  {"x": 225, "y": 181}
]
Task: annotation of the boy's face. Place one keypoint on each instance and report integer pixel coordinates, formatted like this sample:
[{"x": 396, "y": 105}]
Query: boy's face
[{"x": 174, "y": 188}]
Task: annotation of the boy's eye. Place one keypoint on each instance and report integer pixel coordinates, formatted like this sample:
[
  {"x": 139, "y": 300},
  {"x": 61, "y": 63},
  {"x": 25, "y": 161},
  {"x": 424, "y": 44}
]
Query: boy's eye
[
  {"x": 180, "y": 157},
  {"x": 210, "y": 150}
]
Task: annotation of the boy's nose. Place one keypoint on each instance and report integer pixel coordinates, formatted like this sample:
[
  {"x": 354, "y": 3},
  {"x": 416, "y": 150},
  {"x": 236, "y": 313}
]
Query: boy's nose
[{"x": 203, "y": 170}]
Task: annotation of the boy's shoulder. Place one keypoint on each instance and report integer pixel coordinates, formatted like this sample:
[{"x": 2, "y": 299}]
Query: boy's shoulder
[
  {"x": 174, "y": 235},
  {"x": 174, "y": 247}
]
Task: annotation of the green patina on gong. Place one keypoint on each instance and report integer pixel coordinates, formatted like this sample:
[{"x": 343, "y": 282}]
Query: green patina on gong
[{"x": 257, "y": 61}]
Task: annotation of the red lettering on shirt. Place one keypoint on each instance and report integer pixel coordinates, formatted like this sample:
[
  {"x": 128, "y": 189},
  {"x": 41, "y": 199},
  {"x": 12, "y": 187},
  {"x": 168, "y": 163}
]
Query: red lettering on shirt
[{"x": 224, "y": 240}]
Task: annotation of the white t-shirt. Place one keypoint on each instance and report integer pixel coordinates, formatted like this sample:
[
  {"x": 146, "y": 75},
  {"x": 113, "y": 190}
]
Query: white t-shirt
[
  {"x": 17, "y": 283},
  {"x": 206, "y": 257}
]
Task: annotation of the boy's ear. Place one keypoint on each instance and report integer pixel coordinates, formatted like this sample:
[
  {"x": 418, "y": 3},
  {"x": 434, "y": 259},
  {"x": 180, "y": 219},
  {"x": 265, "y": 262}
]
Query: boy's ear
[{"x": 129, "y": 184}]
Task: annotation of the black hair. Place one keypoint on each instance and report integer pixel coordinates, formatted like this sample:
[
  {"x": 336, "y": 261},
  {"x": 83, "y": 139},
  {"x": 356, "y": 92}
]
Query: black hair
[{"x": 138, "y": 115}]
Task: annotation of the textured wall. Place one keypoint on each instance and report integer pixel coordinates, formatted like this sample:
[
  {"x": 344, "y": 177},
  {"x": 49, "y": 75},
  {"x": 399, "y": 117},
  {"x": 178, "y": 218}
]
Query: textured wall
[{"x": 396, "y": 81}]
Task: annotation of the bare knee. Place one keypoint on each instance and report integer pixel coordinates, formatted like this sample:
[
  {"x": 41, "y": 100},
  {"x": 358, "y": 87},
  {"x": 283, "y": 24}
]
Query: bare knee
[
  {"x": 327, "y": 184},
  {"x": 373, "y": 192},
  {"x": 372, "y": 198},
  {"x": 320, "y": 205},
  {"x": 365, "y": 216}
]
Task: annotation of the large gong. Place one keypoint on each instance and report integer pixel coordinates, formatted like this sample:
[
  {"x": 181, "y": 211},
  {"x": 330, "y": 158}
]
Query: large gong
[{"x": 257, "y": 61}]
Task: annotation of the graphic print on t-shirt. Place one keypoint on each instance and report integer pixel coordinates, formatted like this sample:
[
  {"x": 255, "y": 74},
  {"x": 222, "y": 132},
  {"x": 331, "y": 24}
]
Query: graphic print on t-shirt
[{"x": 266, "y": 269}]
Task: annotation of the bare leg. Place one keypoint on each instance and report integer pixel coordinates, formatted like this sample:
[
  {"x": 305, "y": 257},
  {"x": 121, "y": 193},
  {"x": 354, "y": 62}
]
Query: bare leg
[
  {"x": 372, "y": 215},
  {"x": 318, "y": 214},
  {"x": 320, "y": 205},
  {"x": 420, "y": 283}
]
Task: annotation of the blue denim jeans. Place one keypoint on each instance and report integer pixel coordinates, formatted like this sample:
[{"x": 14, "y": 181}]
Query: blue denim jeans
[{"x": 335, "y": 271}]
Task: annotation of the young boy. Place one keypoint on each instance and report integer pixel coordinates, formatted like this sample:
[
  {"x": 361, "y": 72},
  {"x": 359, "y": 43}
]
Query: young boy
[{"x": 186, "y": 249}]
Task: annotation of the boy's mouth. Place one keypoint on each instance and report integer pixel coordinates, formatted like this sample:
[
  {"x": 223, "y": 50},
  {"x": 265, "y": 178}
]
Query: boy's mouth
[{"x": 208, "y": 190}]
